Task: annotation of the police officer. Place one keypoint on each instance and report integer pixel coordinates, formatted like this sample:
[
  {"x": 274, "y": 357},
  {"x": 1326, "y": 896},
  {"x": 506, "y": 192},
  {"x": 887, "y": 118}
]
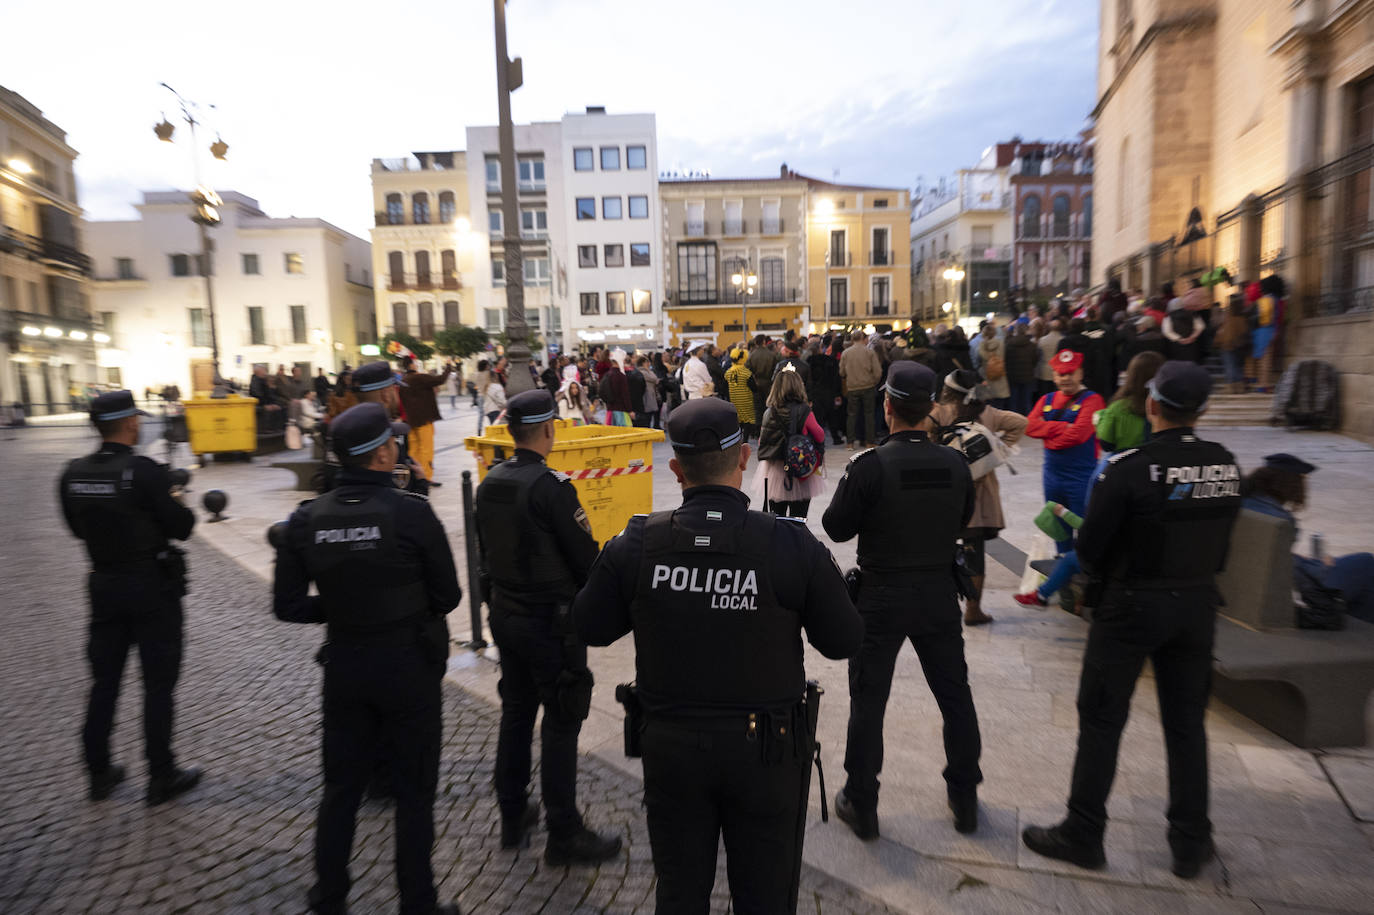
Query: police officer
[
  {"x": 716, "y": 596},
  {"x": 375, "y": 382},
  {"x": 1157, "y": 532},
  {"x": 122, "y": 506},
  {"x": 381, "y": 562},
  {"x": 907, "y": 500},
  {"x": 537, "y": 547}
]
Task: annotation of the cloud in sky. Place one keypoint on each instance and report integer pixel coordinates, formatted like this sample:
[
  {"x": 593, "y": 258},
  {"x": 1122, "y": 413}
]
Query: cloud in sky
[{"x": 308, "y": 92}]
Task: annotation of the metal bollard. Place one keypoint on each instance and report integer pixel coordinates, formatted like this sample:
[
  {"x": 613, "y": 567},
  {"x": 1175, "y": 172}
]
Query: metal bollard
[{"x": 477, "y": 643}]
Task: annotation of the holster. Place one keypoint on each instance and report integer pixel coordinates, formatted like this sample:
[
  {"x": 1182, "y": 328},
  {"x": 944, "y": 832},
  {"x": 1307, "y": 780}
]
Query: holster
[
  {"x": 627, "y": 695},
  {"x": 172, "y": 561},
  {"x": 853, "y": 579},
  {"x": 963, "y": 580},
  {"x": 574, "y": 693},
  {"x": 812, "y": 707}
]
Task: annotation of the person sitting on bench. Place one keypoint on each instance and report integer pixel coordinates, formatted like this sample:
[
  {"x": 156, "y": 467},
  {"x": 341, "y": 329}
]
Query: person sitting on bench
[{"x": 1279, "y": 488}]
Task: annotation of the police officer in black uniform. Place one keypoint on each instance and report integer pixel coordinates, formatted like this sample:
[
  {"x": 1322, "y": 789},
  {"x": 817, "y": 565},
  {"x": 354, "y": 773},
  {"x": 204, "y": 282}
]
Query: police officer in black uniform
[
  {"x": 1156, "y": 534},
  {"x": 907, "y": 500},
  {"x": 386, "y": 579},
  {"x": 122, "y": 506},
  {"x": 537, "y": 548},
  {"x": 375, "y": 382},
  {"x": 716, "y": 596}
]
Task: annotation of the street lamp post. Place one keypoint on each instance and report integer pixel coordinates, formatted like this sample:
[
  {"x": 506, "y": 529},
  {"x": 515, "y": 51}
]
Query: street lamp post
[
  {"x": 509, "y": 76},
  {"x": 746, "y": 284},
  {"x": 206, "y": 214}
]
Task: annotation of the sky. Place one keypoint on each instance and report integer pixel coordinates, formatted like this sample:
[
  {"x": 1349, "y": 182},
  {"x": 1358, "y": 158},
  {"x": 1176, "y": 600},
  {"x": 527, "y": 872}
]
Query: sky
[{"x": 307, "y": 93}]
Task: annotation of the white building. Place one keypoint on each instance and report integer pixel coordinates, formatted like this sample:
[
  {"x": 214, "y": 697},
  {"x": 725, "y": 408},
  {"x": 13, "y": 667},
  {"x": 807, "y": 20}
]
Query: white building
[
  {"x": 590, "y": 223},
  {"x": 48, "y": 344},
  {"x": 293, "y": 292}
]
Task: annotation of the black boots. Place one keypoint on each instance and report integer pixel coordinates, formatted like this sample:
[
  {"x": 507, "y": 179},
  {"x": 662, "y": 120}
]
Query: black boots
[
  {"x": 515, "y": 831},
  {"x": 103, "y": 783},
  {"x": 964, "y": 806},
  {"x": 864, "y": 822},
  {"x": 162, "y": 790},
  {"x": 582, "y": 847},
  {"x": 1051, "y": 842}
]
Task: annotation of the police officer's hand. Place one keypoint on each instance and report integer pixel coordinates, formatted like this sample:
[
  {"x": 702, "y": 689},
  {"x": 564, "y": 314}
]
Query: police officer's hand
[{"x": 415, "y": 470}]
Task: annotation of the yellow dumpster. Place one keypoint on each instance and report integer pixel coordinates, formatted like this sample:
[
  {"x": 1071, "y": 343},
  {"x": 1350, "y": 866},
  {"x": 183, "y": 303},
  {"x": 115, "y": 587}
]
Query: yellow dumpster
[
  {"x": 611, "y": 466},
  {"x": 219, "y": 425}
]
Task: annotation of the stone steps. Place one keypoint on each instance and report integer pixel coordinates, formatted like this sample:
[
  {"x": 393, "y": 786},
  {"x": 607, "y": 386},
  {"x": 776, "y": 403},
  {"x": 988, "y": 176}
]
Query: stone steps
[{"x": 1238, "y": 410}]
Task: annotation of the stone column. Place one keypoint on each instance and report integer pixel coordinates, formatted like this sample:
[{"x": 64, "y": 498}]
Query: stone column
[
  {"x": 1304, "y": 81},
  {"x": 1251, "y": 218}
]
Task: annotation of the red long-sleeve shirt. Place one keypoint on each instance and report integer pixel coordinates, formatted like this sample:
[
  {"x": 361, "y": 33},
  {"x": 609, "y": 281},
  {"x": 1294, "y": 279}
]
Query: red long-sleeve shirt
[{"x": 1059, "y": 434}]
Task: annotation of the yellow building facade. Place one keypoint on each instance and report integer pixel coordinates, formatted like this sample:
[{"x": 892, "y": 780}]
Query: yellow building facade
[
  {"x": 424, "y": 249},
  {"x": 858, "y": 254}
]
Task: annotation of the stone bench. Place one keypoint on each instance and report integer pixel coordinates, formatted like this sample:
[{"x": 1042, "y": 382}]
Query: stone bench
[
  {"x": 304, "y": 471},
  {"x": 1308, "y": 686}
]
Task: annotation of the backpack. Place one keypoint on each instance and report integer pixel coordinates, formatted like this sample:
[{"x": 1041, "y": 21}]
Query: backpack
[
  {"x": 994, "y": 368},
  {"x": 801, "y": 455},
  {"x": 979, "y": 445}
]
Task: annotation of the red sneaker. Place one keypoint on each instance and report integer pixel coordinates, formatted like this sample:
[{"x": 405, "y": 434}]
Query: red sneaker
[{"x": 1030, "y": 599}]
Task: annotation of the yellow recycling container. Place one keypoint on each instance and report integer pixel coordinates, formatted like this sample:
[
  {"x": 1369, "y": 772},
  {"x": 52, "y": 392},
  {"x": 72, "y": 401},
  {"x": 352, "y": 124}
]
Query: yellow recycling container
[
  {"x": 219, "y": 425},
  {"x": 611, "y": 466}
]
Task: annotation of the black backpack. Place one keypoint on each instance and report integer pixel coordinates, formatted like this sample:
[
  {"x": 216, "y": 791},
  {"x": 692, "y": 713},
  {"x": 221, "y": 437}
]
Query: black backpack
[{"x": 801, "y": 455}]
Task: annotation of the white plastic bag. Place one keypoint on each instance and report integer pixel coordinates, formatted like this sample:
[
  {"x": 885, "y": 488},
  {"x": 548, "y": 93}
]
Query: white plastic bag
[{"x": 1042, "y": 547}]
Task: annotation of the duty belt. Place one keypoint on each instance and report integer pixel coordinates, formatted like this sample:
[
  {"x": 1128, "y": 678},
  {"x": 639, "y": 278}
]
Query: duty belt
[
  {"x": 390, "y": 632},
  {"x": 904, "y": 576}
]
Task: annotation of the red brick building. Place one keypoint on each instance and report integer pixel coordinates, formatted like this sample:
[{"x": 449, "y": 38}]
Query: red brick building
[{"x": 1052, "y": 194}]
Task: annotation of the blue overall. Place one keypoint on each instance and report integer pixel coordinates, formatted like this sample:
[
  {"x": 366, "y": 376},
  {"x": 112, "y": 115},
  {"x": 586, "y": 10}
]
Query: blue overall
[{"x": 1068, "y": 472}]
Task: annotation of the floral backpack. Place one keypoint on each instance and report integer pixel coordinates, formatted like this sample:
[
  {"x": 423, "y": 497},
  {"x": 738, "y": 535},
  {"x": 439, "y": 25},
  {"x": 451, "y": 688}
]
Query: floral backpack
[{"x": 801, "y": 455}]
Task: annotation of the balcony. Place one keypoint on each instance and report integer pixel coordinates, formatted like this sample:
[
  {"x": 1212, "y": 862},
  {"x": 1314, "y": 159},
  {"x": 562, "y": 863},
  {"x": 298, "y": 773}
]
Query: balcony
[
  {"x": 881, "y": 259},
  {"x": 839, "y": 309},
  {"x": 987, "y": 200},
  {"x": 493, "y": 187},
  {"x": 837, "y": 259},
  {"x": 881, "y": 309},
  {"x": 732, "y": 228},
  {"x": 986, "y": 253},
  {"x": 383, "y": 218},
  {"x": 695, "y": 229},
  {"x": 770, "y": 226},
  {"x": 534, "y": 234},
  {"x": 44, "y": 250},
  {"x": 525, "y": 187},
  {"x": 422, "y": 282},
  {"x": 273, "y": 337},
  {"x": 728, "y": 296}
]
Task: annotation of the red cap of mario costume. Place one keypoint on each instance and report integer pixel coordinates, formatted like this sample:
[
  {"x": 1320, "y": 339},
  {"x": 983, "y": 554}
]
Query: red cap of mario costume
[{"x": 1066, "y": 361}]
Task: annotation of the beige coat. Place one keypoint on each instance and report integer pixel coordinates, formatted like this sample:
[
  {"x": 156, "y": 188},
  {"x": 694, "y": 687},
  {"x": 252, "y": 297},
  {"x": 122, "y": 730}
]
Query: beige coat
[{"x": 987, "y": 506}]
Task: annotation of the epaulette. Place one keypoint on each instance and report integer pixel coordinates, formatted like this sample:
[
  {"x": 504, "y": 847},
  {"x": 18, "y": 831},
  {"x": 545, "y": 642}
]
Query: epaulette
[
  {"x": 801, "y": 521},
  {"x": 560, "y": 476},
  {"x": 414, "y": 495},
  {"x": 859, "y": 454},
  {"x": 1121, "y": 454}
]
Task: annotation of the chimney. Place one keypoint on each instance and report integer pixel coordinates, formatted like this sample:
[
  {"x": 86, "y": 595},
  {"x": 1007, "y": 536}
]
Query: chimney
[
  {"x": 596, "y": 109},
  {"x": 784, "y": 170}
]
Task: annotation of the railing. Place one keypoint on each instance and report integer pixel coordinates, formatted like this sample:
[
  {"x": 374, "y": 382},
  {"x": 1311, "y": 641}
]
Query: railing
[
  {"x": 528, "y": 187},
  {"x": 274, "y": 337},
  {"x": 881, "y": 259},
  {"x": 835, "y": 259},
  {"x": 732, "y": 228},
  {"x": 43, "y": 249},
  {"x": 422, "y": 282},
  {"x": 534, "y": 234},
  {"x": 730, "y": 297},
  {"x": 839, "y": 309},
  {"x": 75, "y": 413},
  {"x": 884, "y": 308},
  {"x": 695, "y": 229},
  {"x": 999, "y": 201},
  {"x": 493, "y": 187},
  {"x": 771, "y": 226},
  {"x": 986, "y": 253}
]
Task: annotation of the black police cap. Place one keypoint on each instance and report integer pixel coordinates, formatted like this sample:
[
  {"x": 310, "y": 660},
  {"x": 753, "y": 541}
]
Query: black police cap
[
  {"x": 114, "y": 405},
  {"x": 1288, "y": 462},
  {"x": 909, "y": 381},
  {"x": 363, "y": 428},
  {"x": 374, "y": 377},
  {"x": 1185, "y": 386},
  {"x": 704, "y": 425},
  {"x": 530, "y": 407}
]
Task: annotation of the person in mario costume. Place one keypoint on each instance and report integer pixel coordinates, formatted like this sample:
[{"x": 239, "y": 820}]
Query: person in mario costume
[{"x": 1064, "y": 420}]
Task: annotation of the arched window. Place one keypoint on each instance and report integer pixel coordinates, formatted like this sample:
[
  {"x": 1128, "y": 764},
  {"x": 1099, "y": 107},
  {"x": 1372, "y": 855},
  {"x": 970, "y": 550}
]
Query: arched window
[
  {"x": 422, "y": 280},
  {"x": 1123, "y": 181},
  {"x": 1030, "y": 217},
  {"x": 1087, "y": 215},
  {"x": 447, "y": 209},
  {"x": 426, "y": 320},
  {"x": 1061, "y": 215},
  {"x": 395, "y": 210},
  {"x": 419, "y": 208},
  {"x": 396, "y": 266},
  {"x": 448, "y": 268},
  {"x": 400, "y": 320},
  {"x": 451, "y": 317}
]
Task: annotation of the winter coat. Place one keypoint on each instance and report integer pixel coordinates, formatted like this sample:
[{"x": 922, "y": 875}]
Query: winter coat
[
  {"x": 773, "y": 431},
  {"x": 1048, "y": 346},
  {"x": 987, "y": 492},
  {"x": 737, "y": 378},
  {"x": 1020, "y": 356},
  {"x": 860, "y": 368},
  {"x": 997, "y": 388}
]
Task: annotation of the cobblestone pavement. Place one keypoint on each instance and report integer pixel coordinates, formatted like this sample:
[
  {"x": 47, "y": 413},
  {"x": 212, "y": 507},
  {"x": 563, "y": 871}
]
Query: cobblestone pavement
[{"x": 248, "y": 712}]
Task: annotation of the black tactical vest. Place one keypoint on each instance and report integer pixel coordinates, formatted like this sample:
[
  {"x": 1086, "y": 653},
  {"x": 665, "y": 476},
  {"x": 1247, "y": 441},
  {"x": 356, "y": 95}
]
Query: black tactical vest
[
  {"x": 354, "y": 556},
  {"x": 1188, "y": 494},
  {"x": 913, "y": 525},
  {"x": 521, "y": 556},
  {"x": 98, "y": 490},
  {"x": 709, "y": 632}
]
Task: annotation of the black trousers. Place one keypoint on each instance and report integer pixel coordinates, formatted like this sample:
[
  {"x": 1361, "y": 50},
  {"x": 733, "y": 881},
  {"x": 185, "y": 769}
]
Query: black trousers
[
  {"x": 1174, "y": 629},
  {"x": 704, "y": 780},
  {"x": 532, "y": 657},
  {"x": 926, "y": 612},
  {"x": 140, "y": 609},
  {"x": 382, "y": 696},
  {"x": 796, "y": 508}
]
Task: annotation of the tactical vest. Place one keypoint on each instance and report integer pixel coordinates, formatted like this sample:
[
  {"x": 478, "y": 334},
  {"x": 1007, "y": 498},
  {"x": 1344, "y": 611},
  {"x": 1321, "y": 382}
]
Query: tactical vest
[
  {"x": 709, "y": 632},
  {"x": 521, "y": 556},
  {"x": 354, "y": 556},
  {"x": 1183, "y": 532},
  {"x": 99, "y": 492},
  {"x": 913, "y": 525}
]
